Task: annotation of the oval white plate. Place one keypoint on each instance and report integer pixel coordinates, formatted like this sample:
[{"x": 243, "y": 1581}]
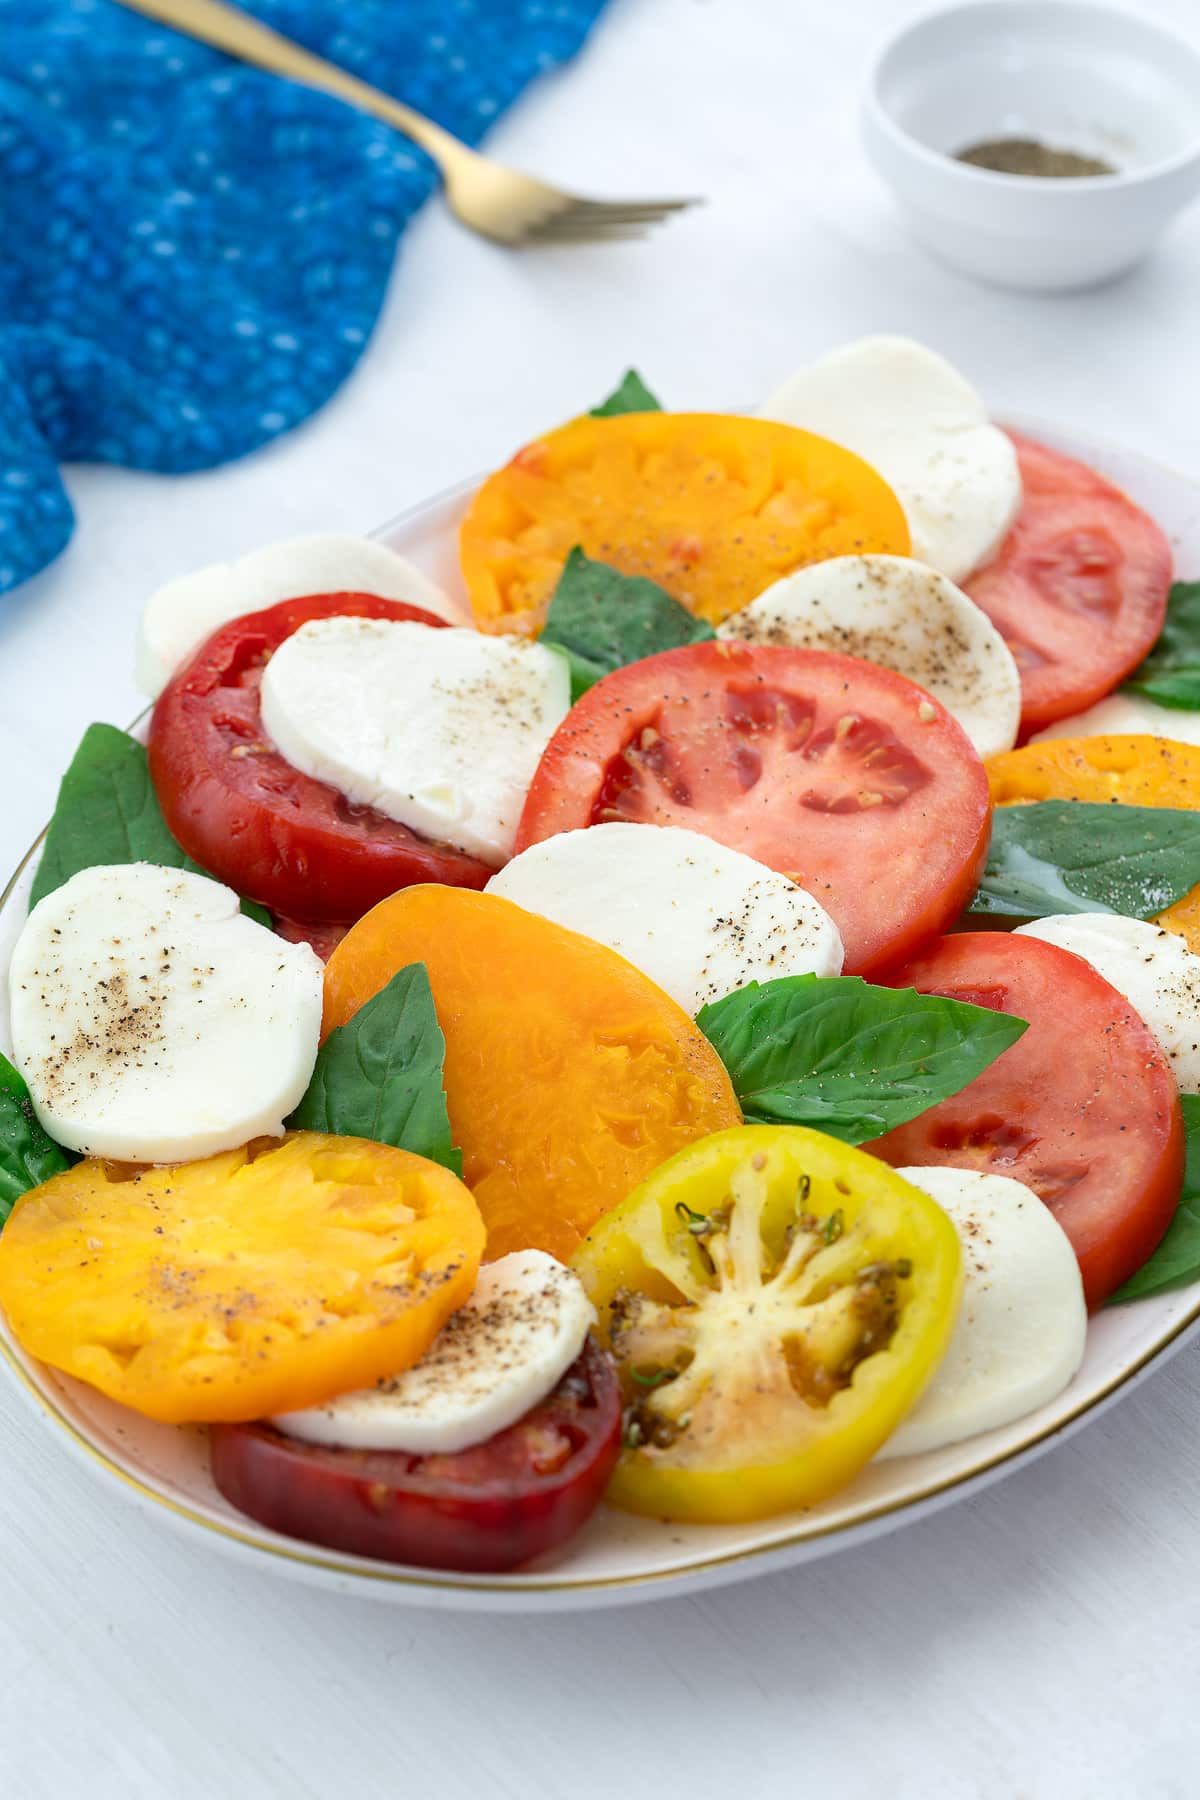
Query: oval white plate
[{"x": 619, "y": 1558}]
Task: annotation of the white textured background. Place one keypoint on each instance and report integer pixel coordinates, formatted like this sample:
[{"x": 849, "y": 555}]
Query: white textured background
[{"x": 1043, "y": 1640}]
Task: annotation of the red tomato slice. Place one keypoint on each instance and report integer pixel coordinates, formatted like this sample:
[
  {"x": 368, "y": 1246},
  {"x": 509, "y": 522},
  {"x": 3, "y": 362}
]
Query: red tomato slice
[
  {"x": 246, "y": 815},
  {"x": 525, "y": 1491},
  {"x": 846, "y": 777},
  {"x": 1079, "y": 589},
  {"x": 324, "y": 939},
  {"x": 1083, "y": 1108}
]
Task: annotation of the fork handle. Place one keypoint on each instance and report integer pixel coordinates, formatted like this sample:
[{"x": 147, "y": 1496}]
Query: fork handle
[{"x": 229, "y": 28}]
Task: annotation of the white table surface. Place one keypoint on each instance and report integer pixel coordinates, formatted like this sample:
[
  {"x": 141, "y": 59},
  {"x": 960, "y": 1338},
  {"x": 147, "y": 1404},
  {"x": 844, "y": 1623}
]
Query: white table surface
[{"x": 1041, "y": 1640}]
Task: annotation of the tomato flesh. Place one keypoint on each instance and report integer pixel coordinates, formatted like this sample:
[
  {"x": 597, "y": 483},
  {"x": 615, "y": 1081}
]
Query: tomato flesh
[
  {"x": 1083, "y": 1108},
  {"x": 569, "y": 1075},
  {"x": 490, "y": 1508},
  {"x": 296, "y": 845},
  {"x": 259, "y": 1280},
  {"x": 712, "y": 507},
  {"x": 323, "y": 938},
  {"x": 1079, "y": 588},
  {"x": 776, "y": 1301},
  {"x": 846, "y": 777}
]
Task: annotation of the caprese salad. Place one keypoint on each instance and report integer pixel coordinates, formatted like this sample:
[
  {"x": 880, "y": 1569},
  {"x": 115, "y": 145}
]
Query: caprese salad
[{"x": 711, "y": 1004}]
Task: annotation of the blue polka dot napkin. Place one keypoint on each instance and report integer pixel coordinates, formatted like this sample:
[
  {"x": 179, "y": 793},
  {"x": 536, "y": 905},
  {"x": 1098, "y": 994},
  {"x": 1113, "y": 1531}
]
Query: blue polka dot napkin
[{"x": 193, "y": 252}]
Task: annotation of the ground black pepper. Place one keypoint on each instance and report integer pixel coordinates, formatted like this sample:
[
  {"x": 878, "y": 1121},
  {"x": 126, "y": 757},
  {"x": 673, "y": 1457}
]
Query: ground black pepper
[{"x": 1026, "y": 156}]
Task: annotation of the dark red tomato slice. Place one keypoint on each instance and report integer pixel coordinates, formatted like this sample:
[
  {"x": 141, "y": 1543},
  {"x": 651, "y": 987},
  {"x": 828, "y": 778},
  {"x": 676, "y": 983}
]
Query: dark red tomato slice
[
  {"x": 525, "y": 1491},
  {"x": 247, "y": 816},
  {"x": 844, "y": 776},
  {"x": 1079, "y": 589},
  {"x": 324, "y": 939},
  {"x": 1083, "y": 1108}
]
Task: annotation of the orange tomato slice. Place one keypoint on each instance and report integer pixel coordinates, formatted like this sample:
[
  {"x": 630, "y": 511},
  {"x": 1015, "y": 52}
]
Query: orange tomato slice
[
  {"x": 1138, "y": 770},
  {"x": 569, "y": 1075},
  {"x": 254, "y": 1282},
  {"x": 711, "y": 506}
]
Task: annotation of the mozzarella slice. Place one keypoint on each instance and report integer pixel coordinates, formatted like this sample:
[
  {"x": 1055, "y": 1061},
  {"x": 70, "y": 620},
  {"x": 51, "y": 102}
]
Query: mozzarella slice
[
  {"x": 904, "y": 616},
  {"x": 179, "y": 616},
  {"x": 1021, "y": 1327},
  {"x": 154, "y": 1022},
  {"x": 696, "y": 917},
  {"x": 911, "y": 415},
  {"x": 441, "y": 729},
  {"x": 501, "y": 1353},
  {"x": 1119, "y": 714},
  {"x": 1152, "y": 968}
]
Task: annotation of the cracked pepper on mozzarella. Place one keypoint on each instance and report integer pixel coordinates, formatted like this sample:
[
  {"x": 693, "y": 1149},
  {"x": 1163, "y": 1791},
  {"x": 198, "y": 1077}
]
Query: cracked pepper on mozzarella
[
  {"x": 440, "y": 729},
  {"x": 908, "y": 413},
  {"x": 698, "y": 918},
  {"x": 1121, "y": 715},
  {"x": 154, "y": 1022},
  {"x": 1022, "y": 1323},
  {"x": 179, "y": 615},
  {"x": 906, "y": 617},
  {"x": 493, "y": 1360},
  {"x": 1152, "y": 968}
]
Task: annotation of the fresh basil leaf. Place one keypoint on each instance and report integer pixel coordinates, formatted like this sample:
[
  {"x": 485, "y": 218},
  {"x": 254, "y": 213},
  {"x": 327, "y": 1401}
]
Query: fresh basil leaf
[
  {"x": 604, "y": 619},
  {"x": 380, "y": 1076},
  {"x": 848, "y": 1058},
  {"x": 108, "y": 812},
  {"x": 632, "y": 396},
  {"x": 1079, "y": 856},
  {"x": 27, "y": 1156},
  {"x": 1178, "y": 689},
  {"x": 1177, "y": 1259},
  {"x": 1170, "y": 675}
]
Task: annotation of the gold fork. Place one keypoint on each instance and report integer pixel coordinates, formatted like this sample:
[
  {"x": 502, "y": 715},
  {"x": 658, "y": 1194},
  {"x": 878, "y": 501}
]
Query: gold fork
[{"x": 499, "y": 203}]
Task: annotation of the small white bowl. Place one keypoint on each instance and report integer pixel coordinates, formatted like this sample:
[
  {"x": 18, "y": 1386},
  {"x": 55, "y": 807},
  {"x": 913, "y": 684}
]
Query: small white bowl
[{"x": 1069, "y": 73}]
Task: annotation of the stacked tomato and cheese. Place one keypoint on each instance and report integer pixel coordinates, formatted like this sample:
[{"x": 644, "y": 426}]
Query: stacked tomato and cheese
[{"x": 402, "y": 1363}]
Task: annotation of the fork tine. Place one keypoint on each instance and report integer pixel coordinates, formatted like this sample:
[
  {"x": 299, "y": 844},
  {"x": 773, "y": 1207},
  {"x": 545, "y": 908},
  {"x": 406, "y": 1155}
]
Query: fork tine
[
  {"x": 569, "y": 221},
  {"x": 658, "y": 202},
  {"x": 596, "y": 221},
  {"x": 664, "y": 206},
  {"x": 618, "y": 216},
  {"x": 589, "y": 228},
  {"x": 585, "y": 234},
  {"x": 624, "y": 209}
]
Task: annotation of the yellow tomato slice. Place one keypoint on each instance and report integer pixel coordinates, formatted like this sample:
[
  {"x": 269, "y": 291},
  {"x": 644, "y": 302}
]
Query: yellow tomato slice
[
  {"x": 777, "y": 1302},
  {"x": 1130, "y": 768},
  {"x": 711, "y": 506},
  {"x": 569, "y": 1075},
  {"x": 258, "y": 1281}
]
